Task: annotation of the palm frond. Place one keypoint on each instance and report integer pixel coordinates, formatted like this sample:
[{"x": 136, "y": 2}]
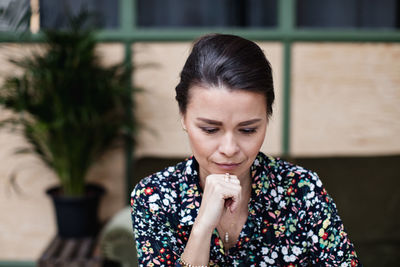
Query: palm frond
[{"x": 72, "y": 108}]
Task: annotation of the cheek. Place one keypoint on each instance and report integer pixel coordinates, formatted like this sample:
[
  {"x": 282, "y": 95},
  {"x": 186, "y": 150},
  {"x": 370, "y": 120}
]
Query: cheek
[
  {"x": 253, "y": 145},
  {"x": 201, "y": 144}
]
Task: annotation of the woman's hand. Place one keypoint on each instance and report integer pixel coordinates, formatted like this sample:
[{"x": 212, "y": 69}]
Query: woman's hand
[{"x": 222, "y": 192}]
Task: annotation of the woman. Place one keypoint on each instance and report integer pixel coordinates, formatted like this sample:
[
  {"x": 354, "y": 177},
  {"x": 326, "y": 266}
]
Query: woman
[{"x": 229, "y": 204}]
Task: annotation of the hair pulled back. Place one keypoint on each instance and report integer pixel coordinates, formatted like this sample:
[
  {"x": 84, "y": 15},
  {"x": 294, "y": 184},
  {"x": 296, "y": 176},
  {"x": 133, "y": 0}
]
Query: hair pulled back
[{"x": 230, "y": 61}]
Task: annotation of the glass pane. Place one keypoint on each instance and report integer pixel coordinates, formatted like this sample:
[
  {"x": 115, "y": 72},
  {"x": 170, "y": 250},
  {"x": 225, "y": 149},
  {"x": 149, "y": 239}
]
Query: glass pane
[
  {"x": 348, "y": 14},
  {"x": 206, "y": 13},
  {"x": 14, "y": 15},
  {"x": 54, "y": 14}
]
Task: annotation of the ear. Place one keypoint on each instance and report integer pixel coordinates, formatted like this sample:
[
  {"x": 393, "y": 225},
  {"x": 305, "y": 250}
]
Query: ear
[{"x": 183, "y": 122}]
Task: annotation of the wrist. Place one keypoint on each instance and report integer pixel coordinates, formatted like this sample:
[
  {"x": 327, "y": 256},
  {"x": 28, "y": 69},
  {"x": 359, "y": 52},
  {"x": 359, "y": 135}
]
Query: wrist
[
  {"x": 202, "y": 228},
  {"x": 186, "y": 264},
  {"x": 197, "y": 250}
]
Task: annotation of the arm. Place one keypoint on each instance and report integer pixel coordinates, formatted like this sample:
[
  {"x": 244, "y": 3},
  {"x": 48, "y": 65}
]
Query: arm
[
  {"x": 156, "y": 241},
  {"x": 330, "y": 244},
  {"x": 154, "y": 237},
  {"x": 219, "y": 195}
]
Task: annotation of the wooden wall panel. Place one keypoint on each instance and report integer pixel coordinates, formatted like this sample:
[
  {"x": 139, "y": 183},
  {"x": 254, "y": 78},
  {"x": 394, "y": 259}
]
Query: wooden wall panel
[{"x": 345, "y": 99}]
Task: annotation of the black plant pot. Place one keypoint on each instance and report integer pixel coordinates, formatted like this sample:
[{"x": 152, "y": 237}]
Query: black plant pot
[{"x": 77, "y": 216}]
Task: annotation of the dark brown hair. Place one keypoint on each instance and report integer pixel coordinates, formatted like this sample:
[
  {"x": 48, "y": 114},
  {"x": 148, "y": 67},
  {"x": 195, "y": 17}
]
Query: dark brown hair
[{"x": 226, "y": 60}]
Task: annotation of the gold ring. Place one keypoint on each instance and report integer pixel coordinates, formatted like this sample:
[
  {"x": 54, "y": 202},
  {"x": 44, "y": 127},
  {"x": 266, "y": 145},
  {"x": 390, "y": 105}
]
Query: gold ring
[{"x": 227, "y": 177}]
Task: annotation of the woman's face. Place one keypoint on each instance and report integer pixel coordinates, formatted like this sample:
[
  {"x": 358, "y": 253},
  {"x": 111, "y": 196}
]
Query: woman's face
[{"x": 226, "y": 129}]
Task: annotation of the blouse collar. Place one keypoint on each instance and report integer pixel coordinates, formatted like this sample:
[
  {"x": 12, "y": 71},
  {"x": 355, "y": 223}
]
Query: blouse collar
[{"x": 190, "y": 192}]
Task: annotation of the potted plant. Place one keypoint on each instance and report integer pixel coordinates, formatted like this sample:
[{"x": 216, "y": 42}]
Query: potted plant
[{"x": 70, "y": 109}]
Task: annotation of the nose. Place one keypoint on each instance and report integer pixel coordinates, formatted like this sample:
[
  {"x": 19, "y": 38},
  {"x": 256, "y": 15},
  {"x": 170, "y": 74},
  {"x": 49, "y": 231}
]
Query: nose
[{"x": 228, "y": 145}]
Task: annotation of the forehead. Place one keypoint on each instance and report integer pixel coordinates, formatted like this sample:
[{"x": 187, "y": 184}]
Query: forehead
[{"x": 221, "y": 103}]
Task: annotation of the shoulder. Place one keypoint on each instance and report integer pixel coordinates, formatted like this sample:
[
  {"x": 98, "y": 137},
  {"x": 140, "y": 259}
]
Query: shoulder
[
  {"x": 282, "y": 170},
  {"x": 287, "y": 178},
  {"x": 162, "y": 180},
  {"x": 161, "y": 188}
]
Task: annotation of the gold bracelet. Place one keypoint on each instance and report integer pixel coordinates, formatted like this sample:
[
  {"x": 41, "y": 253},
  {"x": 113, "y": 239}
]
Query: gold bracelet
[{"x": 185, "y": 264}]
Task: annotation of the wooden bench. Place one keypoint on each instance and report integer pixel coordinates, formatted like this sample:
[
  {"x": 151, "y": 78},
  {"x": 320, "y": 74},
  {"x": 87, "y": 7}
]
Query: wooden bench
[{"x": 82, "y": 252}]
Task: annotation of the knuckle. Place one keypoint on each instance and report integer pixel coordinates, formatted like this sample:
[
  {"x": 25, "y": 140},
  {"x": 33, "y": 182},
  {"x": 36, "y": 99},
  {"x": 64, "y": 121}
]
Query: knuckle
[{"x": 218, "y": 187}]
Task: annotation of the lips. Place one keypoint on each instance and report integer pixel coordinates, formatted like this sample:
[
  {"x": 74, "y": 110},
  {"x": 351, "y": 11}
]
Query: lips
[{"x": 227, "y": 166}]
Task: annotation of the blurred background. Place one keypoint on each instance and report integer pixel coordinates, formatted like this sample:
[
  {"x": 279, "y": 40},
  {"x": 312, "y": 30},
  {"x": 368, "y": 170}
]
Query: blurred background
[{"x": 336, "y": 66}]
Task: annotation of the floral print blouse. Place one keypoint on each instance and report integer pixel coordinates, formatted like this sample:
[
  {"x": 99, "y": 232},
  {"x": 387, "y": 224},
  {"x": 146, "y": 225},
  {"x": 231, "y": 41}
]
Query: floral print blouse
[{"x": 292, "y": 220}]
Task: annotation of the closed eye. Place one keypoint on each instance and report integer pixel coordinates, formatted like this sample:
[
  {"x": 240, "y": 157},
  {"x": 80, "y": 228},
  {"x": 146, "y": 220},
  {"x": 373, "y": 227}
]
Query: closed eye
[
  {"x": 209, "y": 130},
  {"x": 248, "y": 130}
]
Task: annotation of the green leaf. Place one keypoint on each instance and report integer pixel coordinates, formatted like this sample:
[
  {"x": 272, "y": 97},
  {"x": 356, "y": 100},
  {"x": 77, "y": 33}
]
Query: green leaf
[{"x": 70, "y": 107}]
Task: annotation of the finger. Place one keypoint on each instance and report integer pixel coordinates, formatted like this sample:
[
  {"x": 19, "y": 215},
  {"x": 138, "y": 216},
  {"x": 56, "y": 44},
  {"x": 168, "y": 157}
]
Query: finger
[
  {"x": 233, "y": 179},
  {"x": 228, "y": 203},
  {"x": 227, "y": 185},
  {"x": 234, "y": 204},
  {"x": 232, "y": 198},
  {"x": 229, "y": 178},
  {"x": 226, "y": 178}
]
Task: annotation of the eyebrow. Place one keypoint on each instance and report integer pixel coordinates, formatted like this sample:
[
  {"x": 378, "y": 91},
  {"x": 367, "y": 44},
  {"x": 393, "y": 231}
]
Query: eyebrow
[
  {"x": 218, "y": 123},
  {"x": 245, "y": 123}
]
